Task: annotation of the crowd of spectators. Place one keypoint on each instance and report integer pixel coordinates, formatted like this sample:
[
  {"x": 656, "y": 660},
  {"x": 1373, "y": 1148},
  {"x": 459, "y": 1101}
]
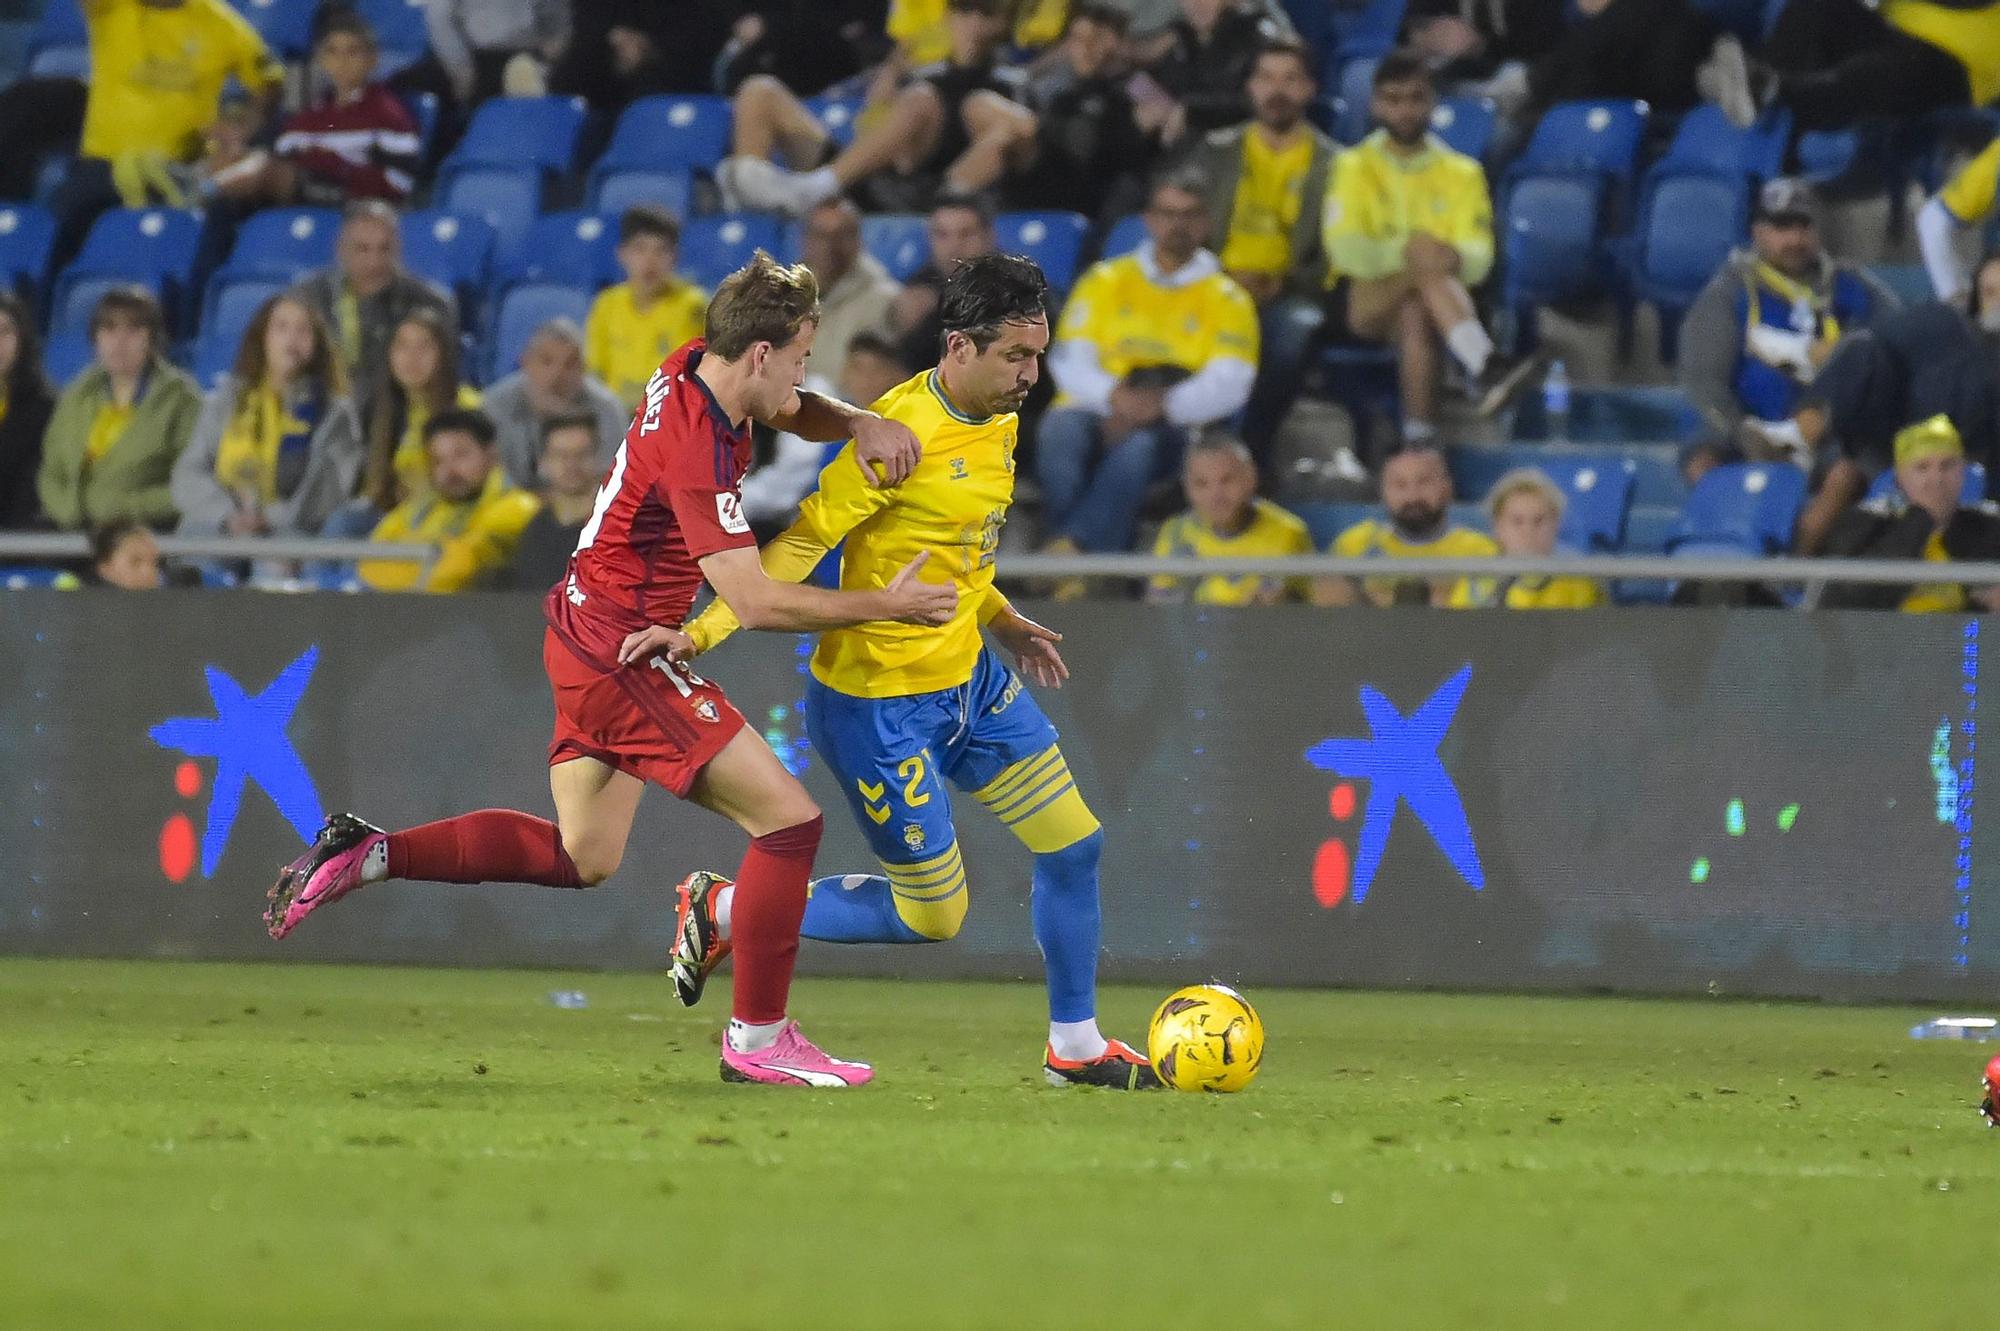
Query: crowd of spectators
[{"x": 350, "y": 408}]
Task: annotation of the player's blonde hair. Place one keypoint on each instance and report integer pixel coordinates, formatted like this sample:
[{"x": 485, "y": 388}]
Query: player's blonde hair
[
  {"x": 763, "y": 301},
  {"x": 1525, "y": 480}
]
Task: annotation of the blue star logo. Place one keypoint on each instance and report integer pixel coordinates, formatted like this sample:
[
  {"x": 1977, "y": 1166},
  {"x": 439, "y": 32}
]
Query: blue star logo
[
  {"x": 246, "y": 737},
  {"x": 1400, "y": 763}
]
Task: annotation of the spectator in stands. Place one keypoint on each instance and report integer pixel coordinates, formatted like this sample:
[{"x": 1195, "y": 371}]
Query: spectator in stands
[
  {"x": 482, "y": 48},
  {"x": 1409, "y": 285},
  {"x": 1926, "y": 519},
  {"x": 125, "y": 556},
  {"x": 1197, "y": 72},
  {"x": 367, "y": 292},
  {"x": 923, "y": 34},
  {"x": 356, "y": 141},
  {"x": 278, "y": 446},
  {"x": 957, "y": 126},
  {"x": 1153, "y": 344},
  {"x": 1763, "y": 326},
  {"x": 1966, "y": 202},
  {"x": 1483, "y": 47},
  {"x": 570, "y": 476},
  {"x": 619, "y": 51},
  {"x": 471, "y": 511},
  {"x": 157, "y": 69},
  {"x": 960, "y": 227},
  {"x": 1090, "y": 155},
  {"x": 1226, "y": 520},
  {"x": 26, "y": 402},
  {"x": 423, "y": 381},
  {"x": 117, "y": 429},
  {"x": 634, "y": 326},
  {"x": 1840, "y": 61},
  {"x": 1526, "y": 509},
  {"x": 774, "y": 487},
  {"x": 550, "y": 383},
  {"x": 1416, "y": 497},
  {"x": 856, "y": 291},
  {"x": 1266, "y": 179},
  {"x": 808, "y": 45},
  {"x": 1912, "y": 364}
]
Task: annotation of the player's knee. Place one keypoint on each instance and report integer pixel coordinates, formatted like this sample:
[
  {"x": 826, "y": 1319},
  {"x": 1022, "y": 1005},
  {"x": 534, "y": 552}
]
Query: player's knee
[
  {"x": 1078, "y": 860},
  {"x": 935, "y": 920},
  {"x": 594, "y": 857}
]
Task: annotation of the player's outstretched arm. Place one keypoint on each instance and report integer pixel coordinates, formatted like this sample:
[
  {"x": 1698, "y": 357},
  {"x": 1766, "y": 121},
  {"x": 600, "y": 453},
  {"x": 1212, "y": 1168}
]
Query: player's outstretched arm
[
  {"x": 761, "y": 603},
  {"x": 887, "y": 451}
]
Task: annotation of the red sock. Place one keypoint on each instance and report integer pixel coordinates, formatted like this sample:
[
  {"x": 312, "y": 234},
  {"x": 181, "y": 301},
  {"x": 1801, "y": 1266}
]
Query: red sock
[
  {"x": 764, "y": 918},
  {"x": 490, "y": 846}
]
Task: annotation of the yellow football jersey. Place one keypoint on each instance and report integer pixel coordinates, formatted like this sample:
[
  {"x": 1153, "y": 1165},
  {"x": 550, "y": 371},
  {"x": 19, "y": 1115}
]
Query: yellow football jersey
[
  {"x": 1526, "y": 594},
  {"x": 1268, "y": 199},
  {"x": 624, "y": 344},
  {"x": 1374, "y": 537},
  {"x": 156, "y": 74},
  {"x": 1137, "y": 323},
  {"x": 1272, "y": 532},
  {"x": 952, "y": 505}
]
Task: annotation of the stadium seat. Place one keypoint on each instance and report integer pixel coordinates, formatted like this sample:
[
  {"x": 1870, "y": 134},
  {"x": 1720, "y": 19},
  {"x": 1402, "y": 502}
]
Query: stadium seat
[
  {"x": 1706, "y": 141},
  {"x": 1647, "y": 527},
  {"x": 1126, "y": 235},
  {"x": 1885, "y": 485},
  {"x": 520, "y": 311},
  {"x": 508, "y": 198},
  {"x": 1328, "y": 520},
  {"x": 399, "y": 32},
  {"x": 1599, "y": 491},
  {"x": 616, "y": 190},
  {"x": 838, "y": 114},
  {"x": 287, "y": 242},
  {"x": 232, "y": 300},
  {"x": 454, "y": 252},
  {"x": 423, "y": 108},
  {"x": 668, "y": 134},
  {"x": 285, "y": 25},
  {"x": 1052, "y": 239},
  {"x": 1366, "y": 27},
  {"x": 1593, "y": 138},
  {"x": 153, "y": 247},
  {"x": 574, "y": 249},
  {"x": 65, "y": 355},
  {"x": 60, "y": 62},
  {"x": 1466, "y": 124},
  {"x": 523, "y": 131},
  {"x": 1687, "y": 226},
  {"x": 1549, "y": 233},
  {"x": 1355, "y": 78},
  {"x": 1754, "y": 504},
  {"x": 59, "y": 46},
  {"x": 27, "y": 234},
  {"x": 714, "y": 247},
  {"x": 899, "y": 241}
]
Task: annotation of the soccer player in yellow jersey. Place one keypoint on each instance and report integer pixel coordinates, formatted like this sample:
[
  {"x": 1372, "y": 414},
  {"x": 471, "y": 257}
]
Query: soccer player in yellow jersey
[
  {"x": 637, "y": 324},
  {"x": 896, "y": 711}
]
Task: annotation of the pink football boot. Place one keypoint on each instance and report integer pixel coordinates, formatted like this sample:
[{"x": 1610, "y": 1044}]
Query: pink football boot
[
  {"x": 328, "y": 871},
  {"x": 792, "y": 1060}
]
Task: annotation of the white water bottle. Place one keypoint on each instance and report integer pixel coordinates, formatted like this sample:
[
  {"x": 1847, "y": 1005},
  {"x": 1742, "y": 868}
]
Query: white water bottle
[{"x": 1555, "y": 401}]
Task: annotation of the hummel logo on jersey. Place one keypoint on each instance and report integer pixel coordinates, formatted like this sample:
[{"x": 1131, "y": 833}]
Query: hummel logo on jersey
[
  {"x": 729, "y": 512},
  {"x": 958, "y": 472}
]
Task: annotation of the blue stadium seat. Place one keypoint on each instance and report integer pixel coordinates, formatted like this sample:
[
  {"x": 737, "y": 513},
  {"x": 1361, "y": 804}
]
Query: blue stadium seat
[
  {"x": 233, "y": 299},
  {"x": 898, "y": 241},
  {"x": 1465, "y": 124},
  {"x": 288, "y": 242},
  {"x": 27, "y": 234},
  {"x": 453, "y": 251},
  {"x": 1366, "y": 27},
  {"x": 1549, "y": 235},
  {"x": 508, "y": 198},
  {"x": 1595, "y": 138},
  {"x": 1975, "y": 485},
  {"x": 1753, "y": 504},
  {"x": 1910, "y": 281},
  {"x": 1647, "y": 527},
  {"x": 574, "y": 249},
  {"x": 1052, "y": 239},
  {"x": 59, "y": 47},
  {"x": 1687, "y": 226},
  {"x": 1328, "y": 520},
  {"x": 285, "y": 25},
  {"x": 523, "y": 131},
  {"x": 1126, "y": 235},
  {"x": 618, "y": 189},
  {"x": 838, "y": 114},
  {"x": 669, "y": 133},
  {"x": 714, "y": 247},
  {"x": 1599, "y": 491},
  {"x": 65, "y": 355},
  {"x": 423, "y": 108},
  {"x": 523, "y": 309},
  {"x": 60, "y": 62},
  {"x": 1355, "y": 80},
  {"x": 1706, "y": 141},
  {"x": 399, "y": 31},
  {"x": 154, "y": 247}
]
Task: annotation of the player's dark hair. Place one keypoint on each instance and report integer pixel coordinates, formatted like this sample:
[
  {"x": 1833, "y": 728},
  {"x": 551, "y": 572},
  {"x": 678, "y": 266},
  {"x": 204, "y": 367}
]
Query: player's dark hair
[
  {"x": 466, "y": 420},
  {"x": 649, "y": 219},
  {"x": 343, "y": 20},
  {"x": 1403, "y": 67},
  {"x": 1287, "y": 46},
  {"x": 107, "y": 537},
  {"x": 130, "y": 304},
  {"x": 763, "y": 301},
  {"x": 1104, "y": 15},
  {"x": 568, "y": 420},
  {"x": 986, "y": 293}
]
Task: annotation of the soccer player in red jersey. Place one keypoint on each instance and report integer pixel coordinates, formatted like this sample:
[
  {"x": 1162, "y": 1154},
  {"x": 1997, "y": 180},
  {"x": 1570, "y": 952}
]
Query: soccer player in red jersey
[{"x": 669, "y": 516}]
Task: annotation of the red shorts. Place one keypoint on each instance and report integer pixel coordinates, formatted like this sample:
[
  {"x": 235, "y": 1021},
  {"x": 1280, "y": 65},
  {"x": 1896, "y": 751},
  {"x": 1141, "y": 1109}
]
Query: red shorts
[{"x": 662, "y": 724}]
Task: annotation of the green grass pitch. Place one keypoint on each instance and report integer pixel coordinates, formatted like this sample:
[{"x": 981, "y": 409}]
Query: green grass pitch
[{"x": 204, "y": 1146}]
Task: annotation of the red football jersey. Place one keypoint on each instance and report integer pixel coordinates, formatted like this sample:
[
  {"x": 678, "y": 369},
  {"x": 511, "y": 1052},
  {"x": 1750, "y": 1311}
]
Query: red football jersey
[{"x": 674, "y": 496}]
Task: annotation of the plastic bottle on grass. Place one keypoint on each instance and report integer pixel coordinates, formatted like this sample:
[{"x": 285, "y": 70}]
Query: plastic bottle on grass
[
  {"x": 569, "y": 998},
  {"x": 1957, "y": 1028}
]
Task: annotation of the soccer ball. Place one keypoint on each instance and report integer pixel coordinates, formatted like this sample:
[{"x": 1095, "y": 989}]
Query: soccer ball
[{"x": 1206, "y": 1038}]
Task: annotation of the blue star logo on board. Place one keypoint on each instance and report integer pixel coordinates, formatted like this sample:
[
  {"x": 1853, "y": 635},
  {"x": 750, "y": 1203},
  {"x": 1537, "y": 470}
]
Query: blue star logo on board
[
  {"x": 1399, "y": 761},
  {"x": 246, "y": 738}
]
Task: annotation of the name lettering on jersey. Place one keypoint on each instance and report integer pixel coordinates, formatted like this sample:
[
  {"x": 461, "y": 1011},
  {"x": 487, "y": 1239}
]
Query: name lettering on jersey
[
  {"x": 729, "y": 512},
  {"x": 657, "y": 389},
  {"x": 576, "y": 596}
]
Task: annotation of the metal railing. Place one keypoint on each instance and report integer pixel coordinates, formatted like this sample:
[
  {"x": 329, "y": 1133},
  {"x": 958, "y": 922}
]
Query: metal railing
[{"x": 18, "y": 547}]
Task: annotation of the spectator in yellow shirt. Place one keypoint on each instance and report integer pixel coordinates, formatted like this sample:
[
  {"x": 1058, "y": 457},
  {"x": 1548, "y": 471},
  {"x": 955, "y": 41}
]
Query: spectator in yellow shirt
[
  {"x": 1226, "y": 520},
  {"x": 1965, "y": 203},
  {"x": 1527, "y": 512},
  {"x": 1416, "y": 494},
  {"x": 472, "y": 512},
  {"x": 1152, "y": 345},
  {"x": 638, "y": 323},
  {"x": 1409, "y": 233}
]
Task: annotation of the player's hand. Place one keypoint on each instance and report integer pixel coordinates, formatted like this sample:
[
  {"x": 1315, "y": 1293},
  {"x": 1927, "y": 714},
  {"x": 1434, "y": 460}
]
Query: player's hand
[
  {"x": 910, "y": 600},
  {"x": 887, "y": 444},
  {"x": 1034, "y": 648},
  {"x": 656, "y": 640}
]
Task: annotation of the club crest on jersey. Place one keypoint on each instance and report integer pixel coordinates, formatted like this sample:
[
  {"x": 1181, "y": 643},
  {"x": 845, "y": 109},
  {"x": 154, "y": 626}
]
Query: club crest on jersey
[
  {"x": 913, "y": 835},
  {"x": 729, "y": 512},
  {"x": 705, "y": 709},
  {"x": 958, "y": 472}
]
